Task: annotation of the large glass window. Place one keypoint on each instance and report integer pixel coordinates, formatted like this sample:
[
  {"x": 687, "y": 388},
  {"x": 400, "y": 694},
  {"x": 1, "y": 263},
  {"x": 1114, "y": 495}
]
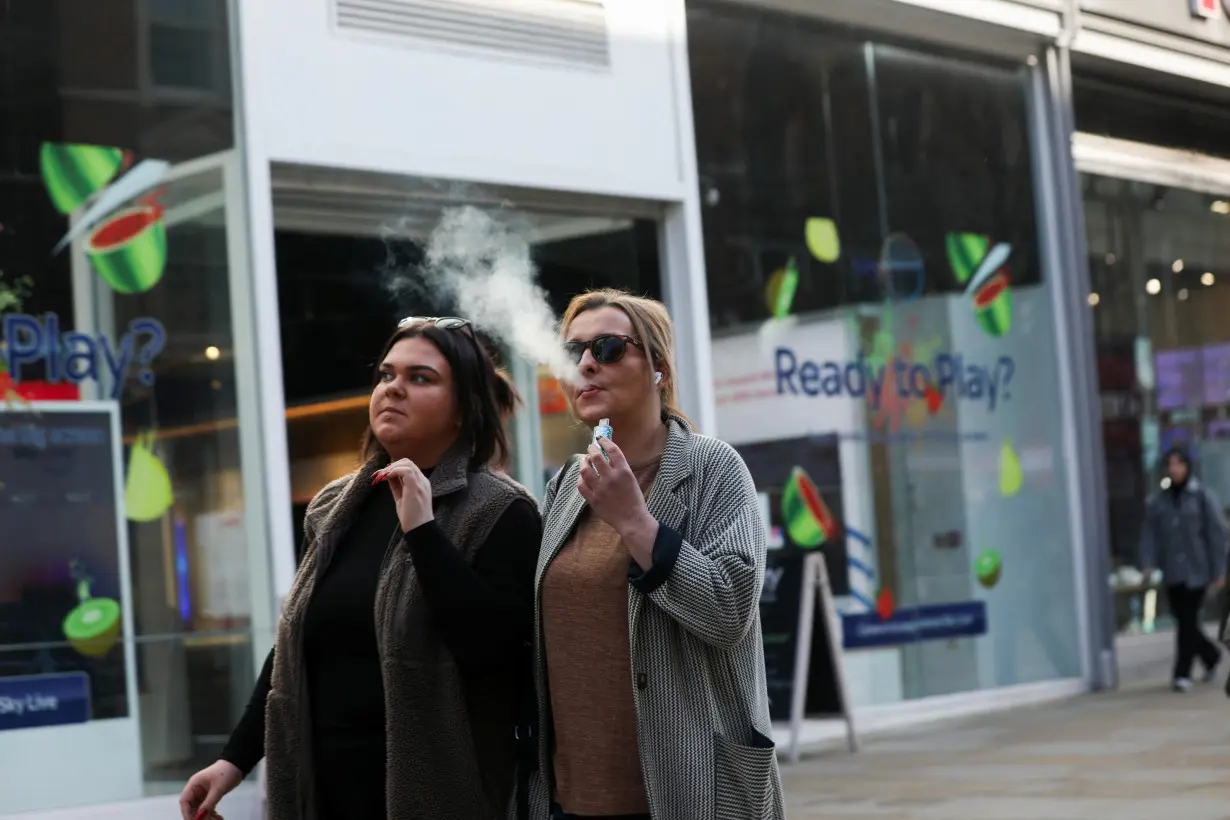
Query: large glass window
[
  {"x": 349, "y": 269},
  {"x": 883, "y": 348},
  {"x": 125, "y": 605}
]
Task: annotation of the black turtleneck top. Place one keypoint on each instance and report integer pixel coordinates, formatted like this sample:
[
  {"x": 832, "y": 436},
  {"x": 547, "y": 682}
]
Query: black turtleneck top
[{"x": 484, "y": 611}]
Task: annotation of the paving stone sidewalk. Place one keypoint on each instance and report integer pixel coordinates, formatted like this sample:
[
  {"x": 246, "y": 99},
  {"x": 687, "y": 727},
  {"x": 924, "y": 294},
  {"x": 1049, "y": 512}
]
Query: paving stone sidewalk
[{"x": 1142, "y": 753}]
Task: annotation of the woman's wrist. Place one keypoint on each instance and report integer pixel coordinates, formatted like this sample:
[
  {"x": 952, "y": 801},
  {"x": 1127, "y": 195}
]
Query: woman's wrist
[{"x": 638, "y": 536}]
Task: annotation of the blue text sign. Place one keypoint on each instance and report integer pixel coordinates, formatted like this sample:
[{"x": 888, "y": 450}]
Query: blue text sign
[
  {"x": 77, "y": 357},
  {"x": 44, "y": 700},
  {"x": 930, "y": 622}
]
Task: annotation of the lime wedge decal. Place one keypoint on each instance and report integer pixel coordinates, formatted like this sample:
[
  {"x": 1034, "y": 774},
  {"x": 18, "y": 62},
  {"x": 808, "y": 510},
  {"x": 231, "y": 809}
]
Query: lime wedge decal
[
  {"x": 93, "y": 627},
  {"x": 822, "y": 239},
  {"x": 72, "y": 172},
  {"x": 147, "y": 490},
  {"x": 1010, "y": 475},
  {"x": 988, "y": 567}
]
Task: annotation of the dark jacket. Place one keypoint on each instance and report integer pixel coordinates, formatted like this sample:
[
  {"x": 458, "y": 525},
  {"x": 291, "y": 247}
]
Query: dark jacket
[
  {"x": 1184, "y": 536},
  {"x": 698, "y": 668},
  {"x": 449, "y": 736}
]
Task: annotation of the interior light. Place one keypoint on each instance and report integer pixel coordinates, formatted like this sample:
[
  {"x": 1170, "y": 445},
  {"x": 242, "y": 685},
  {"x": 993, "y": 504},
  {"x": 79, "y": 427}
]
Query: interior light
[
  {"x": 1177, "y": 267},
  {"x": 1153, "y": 287},
  {"x": 1094, "y": 299},
  {"x": 1207, "y": 278},
  {"x": 212, "y": 353},
  {"x": 1220, "y": 206},
  {"x": 1110, "y": 259},
  {"x": 1182, "y": 294}
]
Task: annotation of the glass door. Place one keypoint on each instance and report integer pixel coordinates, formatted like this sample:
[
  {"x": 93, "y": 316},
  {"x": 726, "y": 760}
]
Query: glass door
[
  {"x": 162, "y": 272},
  {"x": 1158, "y": 237}
]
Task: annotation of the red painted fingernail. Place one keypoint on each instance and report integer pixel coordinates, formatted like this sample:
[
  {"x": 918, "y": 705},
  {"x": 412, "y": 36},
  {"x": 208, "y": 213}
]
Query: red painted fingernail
[{"x": 200, "y": 814}]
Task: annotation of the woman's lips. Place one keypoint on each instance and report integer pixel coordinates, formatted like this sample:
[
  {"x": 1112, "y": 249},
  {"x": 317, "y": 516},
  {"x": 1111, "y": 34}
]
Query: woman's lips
[
  {"x": 589, "y": 392},
  {"x": 392, "y": 410}
]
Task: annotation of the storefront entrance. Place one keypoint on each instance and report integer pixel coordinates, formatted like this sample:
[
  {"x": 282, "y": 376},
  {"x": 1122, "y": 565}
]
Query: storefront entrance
[
  {"x": 349, "y": 249},
  {"x": 1158, "y": 235}
]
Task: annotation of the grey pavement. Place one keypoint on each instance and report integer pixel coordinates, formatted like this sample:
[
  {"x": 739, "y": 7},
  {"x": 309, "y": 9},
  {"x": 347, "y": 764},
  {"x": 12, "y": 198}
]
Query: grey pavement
[{"x": 1140, "y": 753}]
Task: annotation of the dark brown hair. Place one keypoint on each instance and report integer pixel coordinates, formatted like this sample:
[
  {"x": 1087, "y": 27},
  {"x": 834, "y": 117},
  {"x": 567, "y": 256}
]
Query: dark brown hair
[
  {"x": 507, "y": 399},
  {"x": 475, "y": 385}
]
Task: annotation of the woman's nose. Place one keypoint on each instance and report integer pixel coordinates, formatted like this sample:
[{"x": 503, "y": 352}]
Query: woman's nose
[
  {"x": 395, "y": 388},
  {"x": 588, "y": 363}
]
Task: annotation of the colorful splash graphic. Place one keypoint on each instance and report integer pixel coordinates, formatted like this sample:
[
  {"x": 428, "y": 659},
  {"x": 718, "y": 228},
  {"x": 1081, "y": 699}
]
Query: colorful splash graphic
[
  {"x": 885, "y": 348},
  {"x": 93, "y": 626},
  {"x": 988, "y": 567},
  {"x": 129, "y": 249},
  {"x": 982, "y": 268},
  {"x": 822, "y": 238},
  {"x": 126, "y": 244},
  {"x": 147, "y": 490},
  {"x": 73, "y": 172},
  {"x": 809, "y": 523},
  {"x": 780, "y": 289},
  {"x": 1011, "y": 477}
]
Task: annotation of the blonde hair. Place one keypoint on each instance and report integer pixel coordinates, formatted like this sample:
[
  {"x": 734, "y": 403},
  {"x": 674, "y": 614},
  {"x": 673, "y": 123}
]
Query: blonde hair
[{"x": 651, "y": 326}]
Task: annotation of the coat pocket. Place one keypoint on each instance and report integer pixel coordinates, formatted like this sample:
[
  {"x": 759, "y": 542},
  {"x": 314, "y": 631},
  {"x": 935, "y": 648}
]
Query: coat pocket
[{"x": 746, "y": 780}]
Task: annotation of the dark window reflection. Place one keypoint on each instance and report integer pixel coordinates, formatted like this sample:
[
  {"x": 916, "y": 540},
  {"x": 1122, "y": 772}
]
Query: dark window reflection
[{"x": 796, "y": 121}]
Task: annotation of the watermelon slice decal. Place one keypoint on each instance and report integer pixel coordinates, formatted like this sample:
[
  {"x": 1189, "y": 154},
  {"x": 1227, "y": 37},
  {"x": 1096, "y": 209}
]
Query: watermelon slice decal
[
  {"x": 982, "y": 268},
  {"x": 808, "y": 519},
  {"x": 129, "y": 250},
  {"x": 73, "y": 172}
]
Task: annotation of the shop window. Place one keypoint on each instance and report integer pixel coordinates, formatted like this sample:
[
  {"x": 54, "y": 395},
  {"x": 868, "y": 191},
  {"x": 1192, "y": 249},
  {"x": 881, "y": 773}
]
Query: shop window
[
  {"x": 876, "y": 289},
  {"x": 153, "y": 604},
  {"x": 341, "y": 294}
]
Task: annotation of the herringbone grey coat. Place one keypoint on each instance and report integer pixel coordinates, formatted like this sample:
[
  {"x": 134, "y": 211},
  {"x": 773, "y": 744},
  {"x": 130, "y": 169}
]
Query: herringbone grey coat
[{"x": 698, "y": 673}]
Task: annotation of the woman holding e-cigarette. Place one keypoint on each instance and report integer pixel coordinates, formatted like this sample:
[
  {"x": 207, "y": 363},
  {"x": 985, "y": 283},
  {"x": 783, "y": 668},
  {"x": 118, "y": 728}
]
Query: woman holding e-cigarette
[
  {"x": 393, "y": 687},
  {"x": 649, "y": 663}
]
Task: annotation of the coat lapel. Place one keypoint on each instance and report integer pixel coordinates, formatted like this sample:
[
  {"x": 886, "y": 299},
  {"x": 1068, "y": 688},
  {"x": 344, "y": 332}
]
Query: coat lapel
[
  {"x": 664, "y": 502},
  {"x": 561, "y": 520}
]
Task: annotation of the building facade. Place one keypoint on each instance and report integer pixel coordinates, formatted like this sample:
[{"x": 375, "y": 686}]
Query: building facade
[{"x": 945, "y": 273}]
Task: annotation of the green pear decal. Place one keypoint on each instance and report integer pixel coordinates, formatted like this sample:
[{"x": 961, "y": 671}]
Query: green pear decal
[{"x": 147, "y": 491}]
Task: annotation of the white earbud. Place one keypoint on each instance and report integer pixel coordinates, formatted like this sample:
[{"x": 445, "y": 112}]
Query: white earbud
[{"x": 657, "y": 377}]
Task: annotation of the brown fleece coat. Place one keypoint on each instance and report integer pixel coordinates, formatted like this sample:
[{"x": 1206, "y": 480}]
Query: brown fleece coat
[{"x": 449, "y": 736}]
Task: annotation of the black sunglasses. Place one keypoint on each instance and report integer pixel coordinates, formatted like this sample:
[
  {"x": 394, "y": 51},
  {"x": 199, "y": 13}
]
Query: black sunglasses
[{"x": 606, "y": 349}]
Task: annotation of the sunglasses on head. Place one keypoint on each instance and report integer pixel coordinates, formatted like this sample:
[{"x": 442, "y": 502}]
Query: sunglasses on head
[
  {"x": 606, "y": 349},
  {"x": 442, "y": 322}
]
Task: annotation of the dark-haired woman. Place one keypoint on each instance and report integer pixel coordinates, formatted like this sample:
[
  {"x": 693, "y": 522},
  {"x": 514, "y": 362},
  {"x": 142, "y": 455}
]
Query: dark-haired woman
[{"x": 391, "y": 691}]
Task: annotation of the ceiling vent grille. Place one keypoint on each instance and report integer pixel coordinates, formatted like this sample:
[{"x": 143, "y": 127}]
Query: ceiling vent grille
[{"x": 572, "y": 32}]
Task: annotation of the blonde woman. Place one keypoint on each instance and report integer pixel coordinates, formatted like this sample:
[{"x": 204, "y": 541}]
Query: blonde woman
[{"x": 649, "y": 660}]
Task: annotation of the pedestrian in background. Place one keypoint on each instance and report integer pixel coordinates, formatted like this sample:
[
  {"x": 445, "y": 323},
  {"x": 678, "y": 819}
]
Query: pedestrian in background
[{"x": 1185, "y": 537}]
